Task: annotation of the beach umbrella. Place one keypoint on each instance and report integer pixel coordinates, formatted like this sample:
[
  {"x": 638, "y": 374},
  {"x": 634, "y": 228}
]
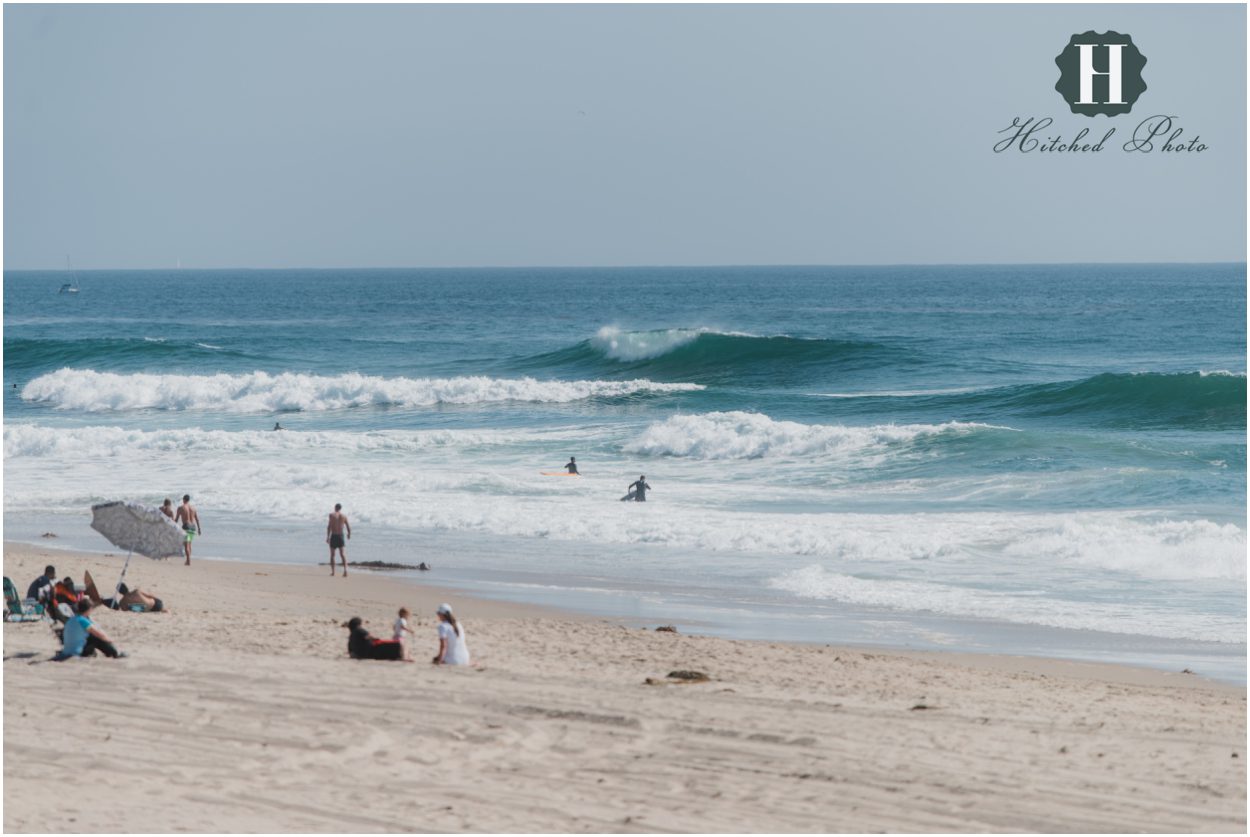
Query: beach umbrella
[{"x": 136, "y": 528}]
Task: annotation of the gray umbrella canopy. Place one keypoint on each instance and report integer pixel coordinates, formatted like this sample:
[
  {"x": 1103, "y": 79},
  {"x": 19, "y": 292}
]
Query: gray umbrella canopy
[{"x": 137, "y": 528}]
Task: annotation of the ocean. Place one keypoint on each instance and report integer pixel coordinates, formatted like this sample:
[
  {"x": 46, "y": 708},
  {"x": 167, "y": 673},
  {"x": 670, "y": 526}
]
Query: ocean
[{"x": 1045, "y": 459}]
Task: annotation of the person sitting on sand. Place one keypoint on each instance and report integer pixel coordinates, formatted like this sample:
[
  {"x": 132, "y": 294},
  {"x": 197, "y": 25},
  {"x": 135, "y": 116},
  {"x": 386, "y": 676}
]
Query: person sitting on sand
[
  {"x": 452, "y": 649},
  {"x": 362, "y": 646},
  {"x": 66, "y": 592},
  {"x": 41, "y": 588},
  {"x": 136, "y": 600},
  {"x": 82, "y": 638}
]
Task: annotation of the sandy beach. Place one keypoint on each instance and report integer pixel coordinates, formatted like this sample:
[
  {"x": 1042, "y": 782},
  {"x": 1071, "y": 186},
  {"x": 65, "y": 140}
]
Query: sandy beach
[{"x": 240, "y": 711}]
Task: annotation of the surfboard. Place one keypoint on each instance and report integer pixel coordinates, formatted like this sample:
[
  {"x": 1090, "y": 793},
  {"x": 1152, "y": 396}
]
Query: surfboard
[
  {"x": 558, "y": 474},
  {"x": 629, "y": 496},
  {"x": 92, "y": 592}
]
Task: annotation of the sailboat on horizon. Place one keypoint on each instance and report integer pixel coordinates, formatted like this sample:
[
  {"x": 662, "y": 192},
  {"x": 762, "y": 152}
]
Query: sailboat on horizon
[{"x": 70, "y": 287}]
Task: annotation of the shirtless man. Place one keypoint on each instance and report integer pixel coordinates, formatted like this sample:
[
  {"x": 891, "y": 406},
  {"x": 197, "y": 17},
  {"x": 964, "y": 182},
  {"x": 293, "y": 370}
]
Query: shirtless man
[
  {"x": 190, "y": 521},
  {"x": 334, "y": 536},
  {"x": 168, "y": 508}
]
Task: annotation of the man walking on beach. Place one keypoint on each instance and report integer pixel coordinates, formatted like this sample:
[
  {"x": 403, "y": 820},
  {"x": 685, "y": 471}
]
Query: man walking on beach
[
  {"x": 334, "y": 536},
  {"x": 190, "y": 521}
]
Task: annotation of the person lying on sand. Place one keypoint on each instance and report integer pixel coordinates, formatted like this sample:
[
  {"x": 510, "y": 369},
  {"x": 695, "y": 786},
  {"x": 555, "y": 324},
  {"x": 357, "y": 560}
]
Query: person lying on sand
[
  {"x": 363, "y": 646},
  {"x": 452, "y": 649},
  {"x": 82, "y": 638},
  {"x": 134, "y": 599}
]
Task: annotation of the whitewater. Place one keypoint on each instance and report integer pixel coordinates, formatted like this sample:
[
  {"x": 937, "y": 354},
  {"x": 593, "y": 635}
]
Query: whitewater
[{"x": 1045, "y": 460}]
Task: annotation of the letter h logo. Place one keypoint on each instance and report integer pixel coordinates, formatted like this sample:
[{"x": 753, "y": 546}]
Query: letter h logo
[{"x": 1100, "y": 73}]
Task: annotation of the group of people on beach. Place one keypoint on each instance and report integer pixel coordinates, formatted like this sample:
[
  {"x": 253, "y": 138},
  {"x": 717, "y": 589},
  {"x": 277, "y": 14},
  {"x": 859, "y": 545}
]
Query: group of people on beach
[
  {"x": 361, "y": 645},
  {"x": 70, "y": 605},
  {"x": 452, "y": 647}
]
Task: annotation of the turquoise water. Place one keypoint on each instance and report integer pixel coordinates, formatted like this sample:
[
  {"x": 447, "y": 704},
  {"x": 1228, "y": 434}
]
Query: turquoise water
[{"x": 1034, "y": 459}]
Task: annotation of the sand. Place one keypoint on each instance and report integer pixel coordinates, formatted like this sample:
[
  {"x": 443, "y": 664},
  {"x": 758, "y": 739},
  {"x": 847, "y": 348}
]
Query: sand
[{"x": 240, "y": 711}]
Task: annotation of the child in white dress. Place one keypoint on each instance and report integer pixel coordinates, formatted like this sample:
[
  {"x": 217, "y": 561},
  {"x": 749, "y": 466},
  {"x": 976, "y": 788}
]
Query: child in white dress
[{"x": 402, "y": 627}]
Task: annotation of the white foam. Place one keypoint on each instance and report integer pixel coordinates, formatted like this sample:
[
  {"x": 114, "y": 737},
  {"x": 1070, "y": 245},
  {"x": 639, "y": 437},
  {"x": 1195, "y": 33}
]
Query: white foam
[
  {"x": 485, "y": 481},
  {"x": 742, "y": 435},
  {"x": 91, "y": 391},
  {"x": 1026, "y": 606},
  {"x": 35, "y": 441}
]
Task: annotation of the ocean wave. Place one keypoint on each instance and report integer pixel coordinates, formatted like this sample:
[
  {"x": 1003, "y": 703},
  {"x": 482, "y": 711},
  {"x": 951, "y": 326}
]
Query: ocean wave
[
  {"x": 259, "y": 392},
  {"x": 742, "y": 435},
  {"x": 1031, "y": 607},
  {"x": 1137, "y": 399},
  {"x": 1198, "y": 400},
  {"x": 644, "y": 345},
  {"x": 710, "y": 355},
  {"x": 35, "y": 354}
]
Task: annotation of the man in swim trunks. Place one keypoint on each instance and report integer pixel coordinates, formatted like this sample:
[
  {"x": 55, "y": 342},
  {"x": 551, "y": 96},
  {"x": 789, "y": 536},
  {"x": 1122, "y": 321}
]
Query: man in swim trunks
[
  {"x": 334, "y": 536},
  {"x": 168, "y": 508},
  {"x": 190, "y": 520}
]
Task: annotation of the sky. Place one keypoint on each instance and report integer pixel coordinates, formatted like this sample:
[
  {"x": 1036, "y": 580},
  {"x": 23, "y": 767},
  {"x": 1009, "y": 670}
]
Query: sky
[{"x": 214, "y": 136}]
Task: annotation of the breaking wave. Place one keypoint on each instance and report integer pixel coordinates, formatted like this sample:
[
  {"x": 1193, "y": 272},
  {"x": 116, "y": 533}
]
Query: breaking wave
[
  {"x": 742, "y": 435},
  {"x": 709, "y": 355},
  {"x": 257, "y": 392}
]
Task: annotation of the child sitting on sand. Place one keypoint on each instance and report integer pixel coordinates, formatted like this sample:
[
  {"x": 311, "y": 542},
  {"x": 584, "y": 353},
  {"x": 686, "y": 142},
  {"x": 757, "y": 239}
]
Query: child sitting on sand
[
  {"x": 401, "y": 626},
  {"x": 452, "y": 650}
]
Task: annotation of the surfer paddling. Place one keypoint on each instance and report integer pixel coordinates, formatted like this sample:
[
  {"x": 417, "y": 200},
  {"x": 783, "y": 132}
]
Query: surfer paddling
[{"x": 334, "y": 536}]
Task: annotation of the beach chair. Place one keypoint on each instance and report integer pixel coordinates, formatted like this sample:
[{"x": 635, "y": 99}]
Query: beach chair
[{"x": 17, "y": 609}]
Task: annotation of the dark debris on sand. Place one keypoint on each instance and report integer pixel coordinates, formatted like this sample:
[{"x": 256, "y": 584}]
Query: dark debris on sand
[{"x": 384, "y": 565}]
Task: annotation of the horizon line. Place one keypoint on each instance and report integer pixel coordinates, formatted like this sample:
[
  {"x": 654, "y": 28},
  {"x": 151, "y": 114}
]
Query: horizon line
[{"x": 173, "y": 268}]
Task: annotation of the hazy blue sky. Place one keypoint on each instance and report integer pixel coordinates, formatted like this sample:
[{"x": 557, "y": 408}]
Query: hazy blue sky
[{"x": 336, "y": 136}]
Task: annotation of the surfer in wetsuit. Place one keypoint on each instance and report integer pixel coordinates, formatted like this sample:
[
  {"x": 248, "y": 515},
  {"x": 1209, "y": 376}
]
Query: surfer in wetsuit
[
  {"x": 572, "y": 466},
  {"x": 639, "y": 489}
]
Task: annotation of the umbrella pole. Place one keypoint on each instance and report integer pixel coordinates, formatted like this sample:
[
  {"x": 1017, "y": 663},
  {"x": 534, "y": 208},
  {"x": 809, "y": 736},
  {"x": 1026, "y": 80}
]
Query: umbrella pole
[{"x": 117, "y": 591}]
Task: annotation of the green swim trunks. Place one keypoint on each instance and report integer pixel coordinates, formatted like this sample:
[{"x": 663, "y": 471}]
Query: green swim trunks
[{"x": 190, "y": 533}]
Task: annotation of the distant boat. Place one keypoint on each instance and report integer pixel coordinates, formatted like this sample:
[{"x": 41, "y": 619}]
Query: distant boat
[{"x": 70, "y": 287}]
